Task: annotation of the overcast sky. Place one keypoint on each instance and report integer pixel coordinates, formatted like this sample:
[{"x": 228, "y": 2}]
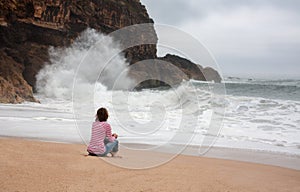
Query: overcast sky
[{"x": 251, "y": 38}]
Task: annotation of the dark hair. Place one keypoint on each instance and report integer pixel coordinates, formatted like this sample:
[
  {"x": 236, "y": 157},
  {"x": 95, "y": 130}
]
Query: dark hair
[{"x": 102, "y": 114}]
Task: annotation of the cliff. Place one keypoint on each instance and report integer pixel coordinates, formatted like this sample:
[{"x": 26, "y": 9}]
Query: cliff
[{"x": 29, "y": 27}]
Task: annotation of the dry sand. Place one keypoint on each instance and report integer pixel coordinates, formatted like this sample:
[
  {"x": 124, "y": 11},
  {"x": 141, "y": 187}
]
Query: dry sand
[{"x": 41, "y": 166}]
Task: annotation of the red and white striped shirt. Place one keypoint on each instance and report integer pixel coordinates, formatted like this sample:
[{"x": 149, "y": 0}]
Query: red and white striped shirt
[{"x": 100, "y": 131}]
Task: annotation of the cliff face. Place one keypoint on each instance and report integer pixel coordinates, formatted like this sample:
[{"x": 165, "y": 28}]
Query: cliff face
[{"x": 29, "y": 27}]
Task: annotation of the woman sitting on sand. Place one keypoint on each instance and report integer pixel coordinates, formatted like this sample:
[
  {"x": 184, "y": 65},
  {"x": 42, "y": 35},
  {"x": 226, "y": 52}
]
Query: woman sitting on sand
[{"x": 102, "y": 141}]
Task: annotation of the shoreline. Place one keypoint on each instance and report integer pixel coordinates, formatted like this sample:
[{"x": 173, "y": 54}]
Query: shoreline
[
  {"x": 269, "y": 158},
  {"x": 44, "y": 166}
]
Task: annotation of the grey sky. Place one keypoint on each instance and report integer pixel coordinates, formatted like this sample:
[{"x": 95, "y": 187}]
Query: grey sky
[{"x": 253, "y": 38}]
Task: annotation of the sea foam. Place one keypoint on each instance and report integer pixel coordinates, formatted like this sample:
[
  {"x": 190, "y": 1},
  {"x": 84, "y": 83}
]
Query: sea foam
[{"x": 101, "y": 62}]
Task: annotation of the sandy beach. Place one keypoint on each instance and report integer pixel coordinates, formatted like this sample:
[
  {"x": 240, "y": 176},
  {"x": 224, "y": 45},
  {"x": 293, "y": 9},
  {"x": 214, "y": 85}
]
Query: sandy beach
[{"x": 42, "y": 166}]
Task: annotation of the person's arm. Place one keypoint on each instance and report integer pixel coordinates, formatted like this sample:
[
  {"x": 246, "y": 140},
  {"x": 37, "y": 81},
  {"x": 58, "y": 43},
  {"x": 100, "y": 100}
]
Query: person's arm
[{"x": 108, "y": 133}]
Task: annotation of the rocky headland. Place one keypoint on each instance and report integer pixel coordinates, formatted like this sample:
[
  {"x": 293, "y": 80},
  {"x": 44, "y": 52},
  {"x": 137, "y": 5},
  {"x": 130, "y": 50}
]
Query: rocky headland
[{"x": 29, "y": 27}]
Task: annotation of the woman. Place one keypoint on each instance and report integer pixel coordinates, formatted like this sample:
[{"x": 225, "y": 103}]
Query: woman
[{"x": 102, "y": 141}]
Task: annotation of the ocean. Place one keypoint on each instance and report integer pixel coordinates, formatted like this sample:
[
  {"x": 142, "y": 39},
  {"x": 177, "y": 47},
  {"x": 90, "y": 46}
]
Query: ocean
[
  {"x": 261, "y": 115},
  {"x": 239, "y": 113}
]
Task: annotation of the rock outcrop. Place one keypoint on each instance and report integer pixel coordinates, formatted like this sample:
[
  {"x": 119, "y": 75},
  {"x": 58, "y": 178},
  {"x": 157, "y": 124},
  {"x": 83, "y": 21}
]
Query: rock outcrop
[
  {"x": 192, "y": 70},
  {"x": 29, "y": 27},
  {"x": 13, "y": 87},
  {"x": 170, "y": 71}
]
